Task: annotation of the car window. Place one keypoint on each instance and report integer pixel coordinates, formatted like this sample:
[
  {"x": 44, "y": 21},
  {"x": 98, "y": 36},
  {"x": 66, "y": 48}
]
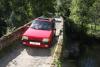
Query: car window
[{"x": 41, "y": 25}]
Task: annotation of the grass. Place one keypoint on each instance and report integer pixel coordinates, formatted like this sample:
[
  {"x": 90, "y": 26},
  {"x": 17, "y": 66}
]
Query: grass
[
  {"x": 58, "y": 63},
  {"x": 57, "y": 53}
]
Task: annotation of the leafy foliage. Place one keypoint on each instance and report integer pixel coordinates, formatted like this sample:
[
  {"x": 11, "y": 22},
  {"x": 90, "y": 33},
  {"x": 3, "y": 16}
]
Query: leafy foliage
[
  {"x": 63, "y": 7},
  {"x": 84, "y": 12},
  {"x": 18, "y": 12},
  {"x": 94, "y": 12}
]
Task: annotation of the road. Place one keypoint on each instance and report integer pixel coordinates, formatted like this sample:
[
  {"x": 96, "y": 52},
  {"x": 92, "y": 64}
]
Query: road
[{"x": 23, "y": 56}]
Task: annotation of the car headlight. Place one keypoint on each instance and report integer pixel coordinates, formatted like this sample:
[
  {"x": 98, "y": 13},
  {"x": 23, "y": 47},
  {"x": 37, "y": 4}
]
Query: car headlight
[
  {"x": 24, "y": 38},
  {"x": 45, "y": 40}
]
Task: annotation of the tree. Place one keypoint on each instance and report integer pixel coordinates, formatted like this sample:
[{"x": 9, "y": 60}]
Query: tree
[
  {"x": 17, "y": 12},
  {"x": 80, "y": 12},
  {"x": 42, "y": 7},
  {"x": 94, "y": 11},
  {"x": 63, "y": 7}
]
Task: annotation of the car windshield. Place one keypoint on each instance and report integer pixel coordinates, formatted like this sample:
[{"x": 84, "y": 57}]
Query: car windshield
[{"x": 41, "y": 25}]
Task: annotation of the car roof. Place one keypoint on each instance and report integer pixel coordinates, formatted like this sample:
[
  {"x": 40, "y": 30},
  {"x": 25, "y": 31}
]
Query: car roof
[{"x": 44, "y": 19}]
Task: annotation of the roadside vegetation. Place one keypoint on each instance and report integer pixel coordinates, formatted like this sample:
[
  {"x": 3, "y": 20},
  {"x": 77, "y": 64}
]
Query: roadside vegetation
[
  {"x": 81, "y": 30},
  {"x": 81, "y": 18}
]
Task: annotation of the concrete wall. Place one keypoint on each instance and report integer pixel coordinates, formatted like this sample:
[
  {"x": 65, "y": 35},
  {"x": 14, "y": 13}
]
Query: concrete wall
[{"x": 6, "y": 40}]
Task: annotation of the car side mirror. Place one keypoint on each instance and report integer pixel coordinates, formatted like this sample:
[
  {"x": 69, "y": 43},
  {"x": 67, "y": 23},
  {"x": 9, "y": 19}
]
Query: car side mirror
[{"x": 54, "y": 29}]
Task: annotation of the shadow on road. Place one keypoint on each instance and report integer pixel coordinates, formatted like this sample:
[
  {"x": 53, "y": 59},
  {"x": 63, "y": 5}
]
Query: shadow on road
[
  {"x": 10, "y": 53},
  {"x": 18, "y": 53},
  {"x": 38, "y": 51}
]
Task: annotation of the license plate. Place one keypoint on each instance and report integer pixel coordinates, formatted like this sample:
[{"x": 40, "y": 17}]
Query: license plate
[{"x": 35, "y": 43}]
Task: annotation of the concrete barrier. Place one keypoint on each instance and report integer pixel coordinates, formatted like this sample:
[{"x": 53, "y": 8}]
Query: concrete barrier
[{"x": 6, "y": 40}]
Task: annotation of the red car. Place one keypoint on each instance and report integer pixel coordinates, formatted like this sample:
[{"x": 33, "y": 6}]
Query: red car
[{"x": 40, "y": 33}]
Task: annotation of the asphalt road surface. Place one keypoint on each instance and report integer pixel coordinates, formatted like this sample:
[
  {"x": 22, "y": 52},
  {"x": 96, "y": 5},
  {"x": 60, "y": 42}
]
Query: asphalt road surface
[{"x": 23, "y": 56}]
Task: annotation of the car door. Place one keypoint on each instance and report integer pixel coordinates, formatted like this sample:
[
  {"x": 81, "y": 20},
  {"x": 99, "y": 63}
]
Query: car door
[{"x": 53, "y": 28}]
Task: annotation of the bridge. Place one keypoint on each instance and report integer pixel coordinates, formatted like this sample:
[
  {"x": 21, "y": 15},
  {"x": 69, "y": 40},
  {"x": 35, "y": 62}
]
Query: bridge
[{"x": 19, "y": 55}]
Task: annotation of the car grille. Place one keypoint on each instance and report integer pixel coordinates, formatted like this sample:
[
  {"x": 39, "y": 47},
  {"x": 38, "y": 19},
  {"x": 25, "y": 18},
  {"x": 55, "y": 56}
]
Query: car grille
[{"x": 34, "y": 41}]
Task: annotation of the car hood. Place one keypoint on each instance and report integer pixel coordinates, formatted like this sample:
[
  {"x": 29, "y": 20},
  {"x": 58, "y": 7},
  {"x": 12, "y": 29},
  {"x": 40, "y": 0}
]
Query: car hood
[{"x": 38, "y": 33}]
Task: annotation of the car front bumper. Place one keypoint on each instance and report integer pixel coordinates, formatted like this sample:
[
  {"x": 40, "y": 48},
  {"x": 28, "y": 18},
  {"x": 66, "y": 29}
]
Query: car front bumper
[{"x": 27, "y": 43}]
